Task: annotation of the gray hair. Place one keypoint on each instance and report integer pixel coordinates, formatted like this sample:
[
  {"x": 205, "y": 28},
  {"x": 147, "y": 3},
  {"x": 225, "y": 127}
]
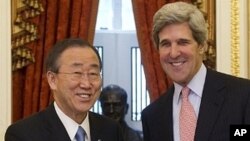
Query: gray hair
[{"x": 180, "y": 12}]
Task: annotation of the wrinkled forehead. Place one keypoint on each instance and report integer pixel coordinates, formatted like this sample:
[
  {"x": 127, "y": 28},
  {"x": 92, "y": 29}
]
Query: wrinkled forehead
[{"x": 79, "y": 58}]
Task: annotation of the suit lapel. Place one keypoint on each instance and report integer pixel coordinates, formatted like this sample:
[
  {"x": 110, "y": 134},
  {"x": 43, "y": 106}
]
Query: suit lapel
[
  {"x": 162, "y": 121},
  {"x": 54, "y": 127},
  {"x": 169, "y": 115},
  {"x": 95, "y": 128},
  {"x": 211, "y": 103}
]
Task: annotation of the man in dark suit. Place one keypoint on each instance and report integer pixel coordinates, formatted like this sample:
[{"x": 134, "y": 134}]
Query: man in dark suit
[
  {"x": 114, "y": 105},
  {"x": 214, "y": 100},
  {"x": 73, "y": 69}
]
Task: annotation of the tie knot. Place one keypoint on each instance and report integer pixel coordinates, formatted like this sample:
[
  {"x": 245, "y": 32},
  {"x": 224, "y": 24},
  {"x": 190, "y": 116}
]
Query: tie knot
[
  {"x": 185, "y": 92},
  {"x": 80, "y": 134}
]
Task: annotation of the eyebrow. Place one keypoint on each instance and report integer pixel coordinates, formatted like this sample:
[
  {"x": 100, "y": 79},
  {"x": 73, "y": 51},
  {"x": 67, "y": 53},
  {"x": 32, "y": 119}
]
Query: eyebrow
[
  {"x": 76, "y": 64},
  {"x": 163, "y": 41},
  {"x": 184, "y": 39},
  {"x": 181, "y": 39}
]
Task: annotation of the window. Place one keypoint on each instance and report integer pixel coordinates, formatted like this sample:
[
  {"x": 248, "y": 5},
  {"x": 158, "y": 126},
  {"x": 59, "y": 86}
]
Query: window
[
  {"x": 140, "y": 96},
  {"x": 115, "y": 32},
  {"x": 115, "y": 15}
]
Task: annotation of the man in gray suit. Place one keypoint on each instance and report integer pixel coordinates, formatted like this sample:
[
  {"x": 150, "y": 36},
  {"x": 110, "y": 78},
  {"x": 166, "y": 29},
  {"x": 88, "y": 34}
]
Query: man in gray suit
[
  {"x": 215, "y": 100},
  {"x": 73, "y": 69}
]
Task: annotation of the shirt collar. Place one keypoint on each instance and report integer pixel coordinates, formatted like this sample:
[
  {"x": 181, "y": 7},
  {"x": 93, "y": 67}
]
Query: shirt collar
[
  {"x": 70, "y": 125},
  {"x": 196, "y": 85}
]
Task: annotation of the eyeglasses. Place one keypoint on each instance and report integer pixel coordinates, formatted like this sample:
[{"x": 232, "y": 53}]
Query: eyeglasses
[{"x": 77, "y": 76}]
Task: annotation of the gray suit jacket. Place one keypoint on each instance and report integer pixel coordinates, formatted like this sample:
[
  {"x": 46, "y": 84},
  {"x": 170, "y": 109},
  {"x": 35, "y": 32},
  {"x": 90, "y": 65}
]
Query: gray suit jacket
[
  {"x": 46, "y": 126},
  {"x": 225, "y": 101}
]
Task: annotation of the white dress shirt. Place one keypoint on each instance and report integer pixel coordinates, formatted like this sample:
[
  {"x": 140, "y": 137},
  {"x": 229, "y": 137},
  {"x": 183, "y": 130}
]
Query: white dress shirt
[{"x": 71, "y": 126}]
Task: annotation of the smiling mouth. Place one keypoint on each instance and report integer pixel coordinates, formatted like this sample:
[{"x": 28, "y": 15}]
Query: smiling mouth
[
  {"x": 177, "y": 63},
  {"x": 82, "y": 95}
]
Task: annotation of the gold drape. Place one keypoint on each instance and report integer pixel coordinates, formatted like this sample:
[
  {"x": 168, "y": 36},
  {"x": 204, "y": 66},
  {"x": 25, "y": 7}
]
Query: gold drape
[
  {"x": 208, "y": 9},
  {"x": 24, "y": 31},
  {"x": 235, "y": 45},
  {"x": 248, "y": 23}
]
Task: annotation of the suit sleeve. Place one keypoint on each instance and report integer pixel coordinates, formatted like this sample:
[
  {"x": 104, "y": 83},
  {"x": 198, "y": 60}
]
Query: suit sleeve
[
  {"x": 11, "y": 135},
  {"x": 247, "y": 117},
  {"x": 145, "y": 127}
]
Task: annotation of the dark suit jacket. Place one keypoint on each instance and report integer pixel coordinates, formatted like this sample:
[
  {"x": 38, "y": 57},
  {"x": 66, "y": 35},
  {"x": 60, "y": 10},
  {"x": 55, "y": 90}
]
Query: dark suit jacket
[
  {"x": 46, "y": 126},
  {"x": 129, "y": 133},
  {"x": 225, "y": 101}
]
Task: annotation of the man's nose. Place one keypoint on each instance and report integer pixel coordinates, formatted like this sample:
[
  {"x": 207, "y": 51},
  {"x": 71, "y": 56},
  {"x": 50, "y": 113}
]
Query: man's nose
[
  {"x": 85, "y": 82},
  {"x": 174, "y": 51}
]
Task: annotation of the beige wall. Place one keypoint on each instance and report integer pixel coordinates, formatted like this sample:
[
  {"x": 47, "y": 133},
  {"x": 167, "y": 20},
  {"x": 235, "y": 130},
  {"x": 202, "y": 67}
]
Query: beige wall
[
  {"x": 5, "y": 65},
  {"x": 223, "y": 37},
  {"x": 248, "y": 36}
]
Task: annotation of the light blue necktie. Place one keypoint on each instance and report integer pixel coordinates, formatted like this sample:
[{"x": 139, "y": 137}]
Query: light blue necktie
[{"x": 80, "y": 134}]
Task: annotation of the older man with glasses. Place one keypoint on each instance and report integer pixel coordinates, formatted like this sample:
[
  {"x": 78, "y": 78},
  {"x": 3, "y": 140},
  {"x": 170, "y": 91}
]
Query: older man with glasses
[{"x": 73, "y": 69}]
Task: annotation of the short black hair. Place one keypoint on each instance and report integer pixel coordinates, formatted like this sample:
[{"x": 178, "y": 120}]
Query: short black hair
[{"x": 51, "y": 62}]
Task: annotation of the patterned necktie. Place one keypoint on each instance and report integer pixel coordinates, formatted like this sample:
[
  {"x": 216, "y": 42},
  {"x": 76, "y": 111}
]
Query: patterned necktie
[
  {"x": 187, "y": 117},
  {"x": 80, "y": 134}
]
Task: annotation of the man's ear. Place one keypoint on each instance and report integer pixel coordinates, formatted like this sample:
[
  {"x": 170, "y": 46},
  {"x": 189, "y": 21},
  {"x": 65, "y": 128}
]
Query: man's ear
[
  {"x": 202, "y": 48},
  {"x": 51, "y": 77}
]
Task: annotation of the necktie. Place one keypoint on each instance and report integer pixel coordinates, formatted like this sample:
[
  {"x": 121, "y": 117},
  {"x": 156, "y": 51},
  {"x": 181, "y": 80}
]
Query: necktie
[
  {"x": 187, "y": 117},
  {"x": 80, "y": 134}
]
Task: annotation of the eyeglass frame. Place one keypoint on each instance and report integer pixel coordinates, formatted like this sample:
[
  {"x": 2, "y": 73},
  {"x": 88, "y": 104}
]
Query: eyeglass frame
[{"x": 91, "y": 76}]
